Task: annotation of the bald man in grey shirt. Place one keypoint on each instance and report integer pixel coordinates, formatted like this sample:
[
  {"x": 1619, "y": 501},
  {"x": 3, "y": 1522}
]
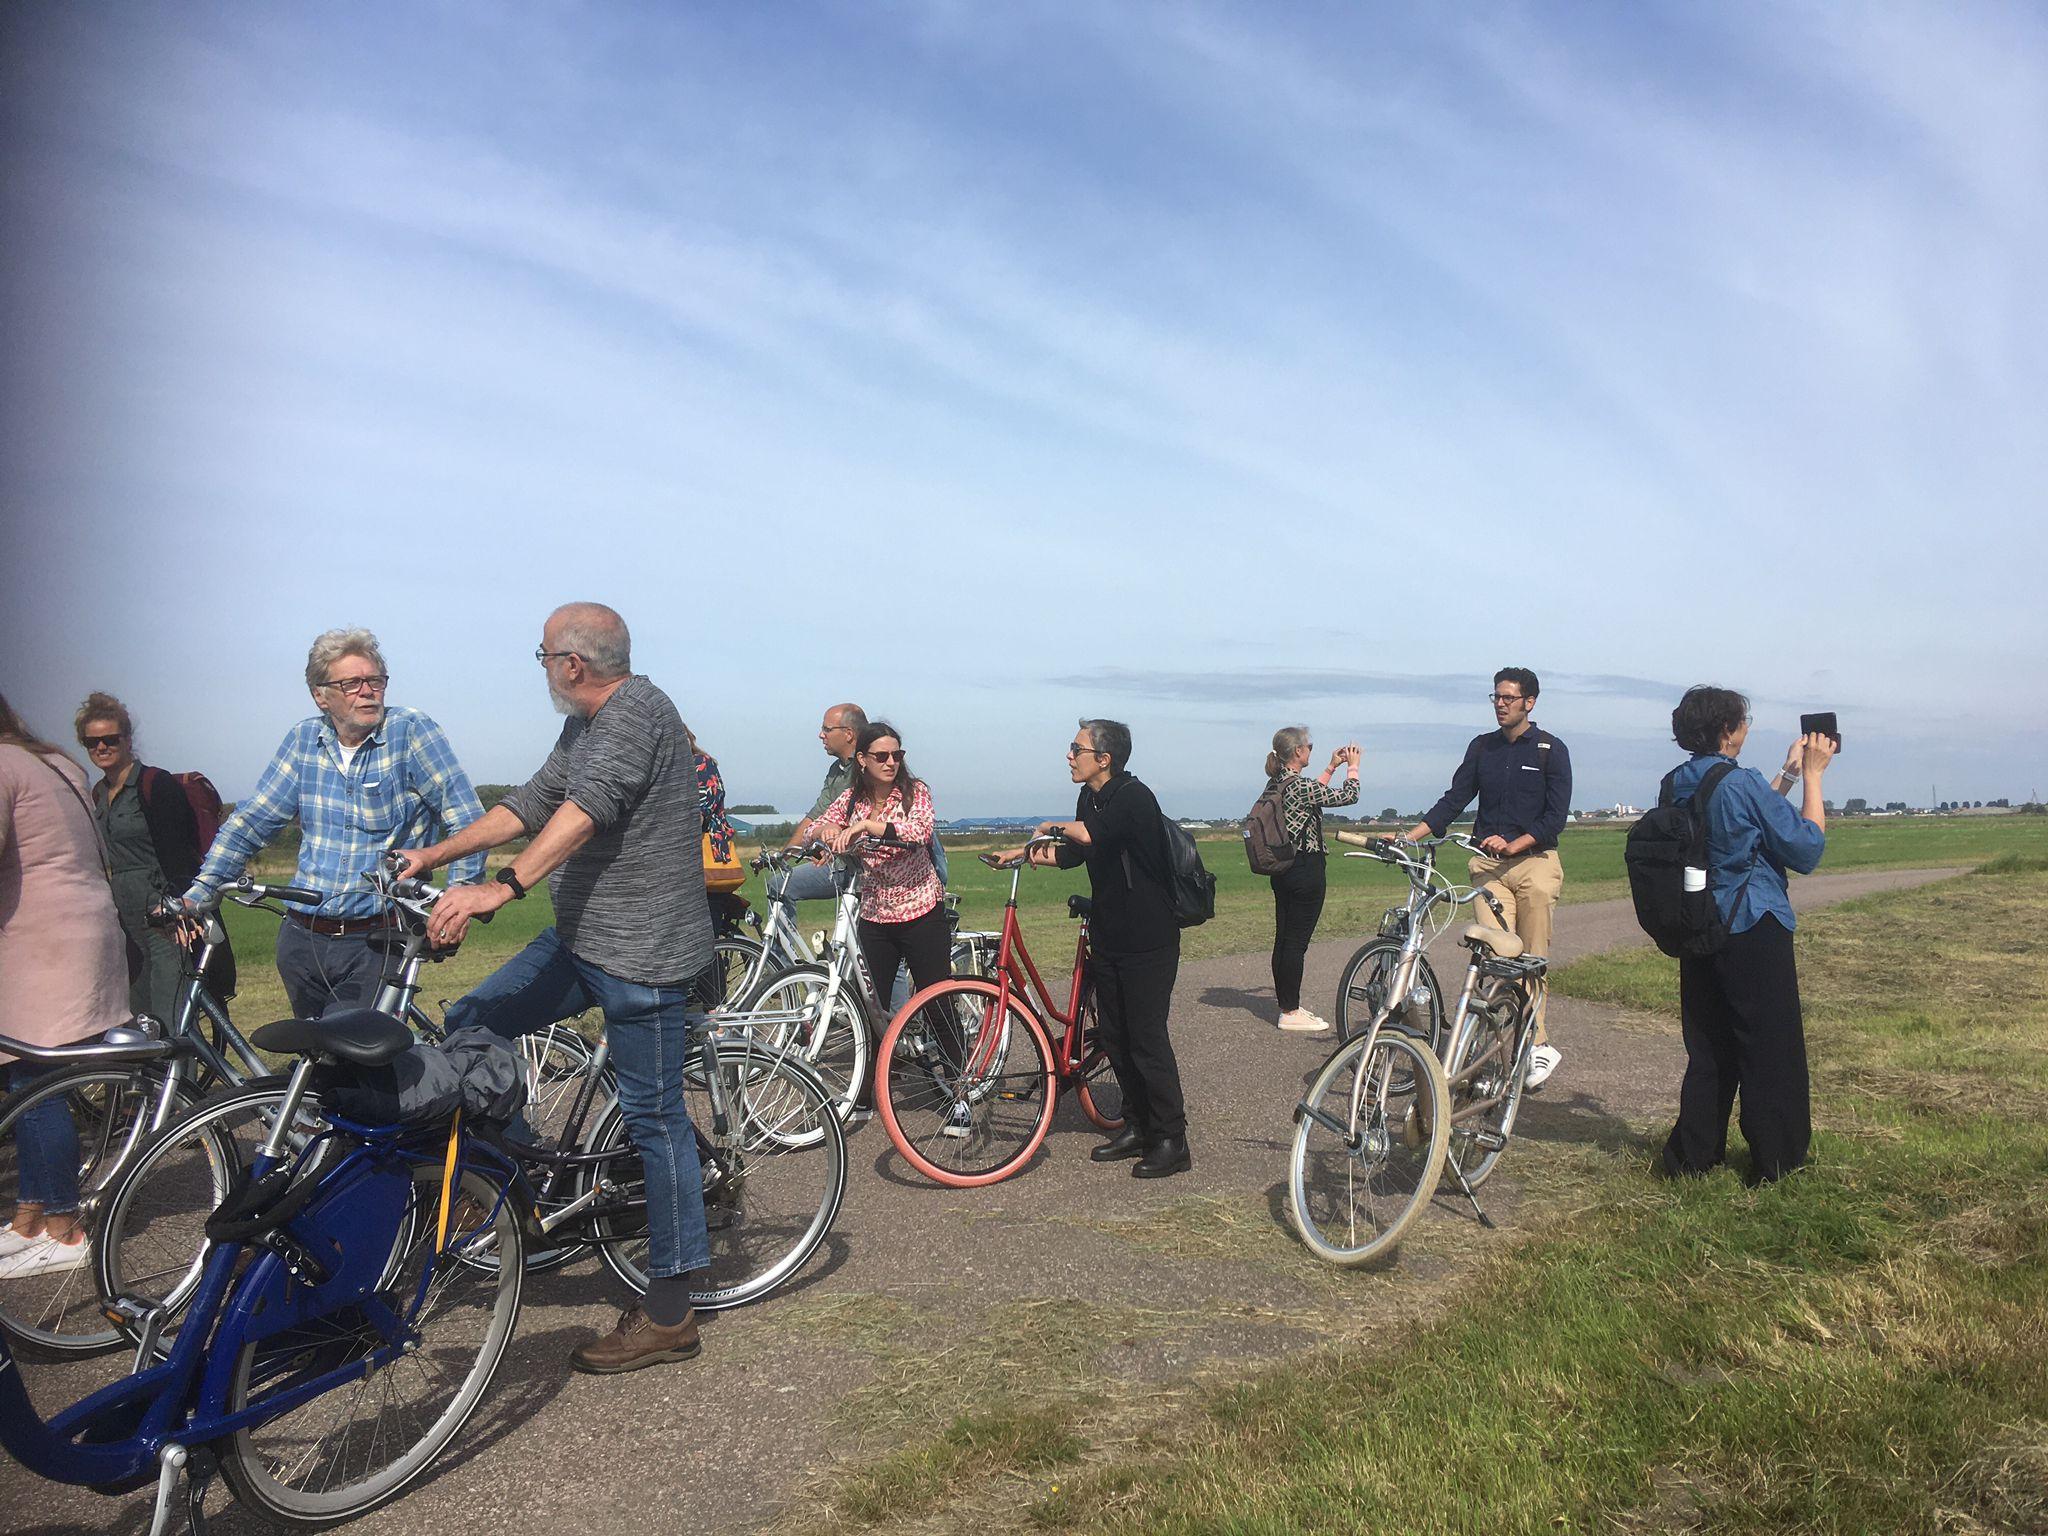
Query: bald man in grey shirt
[{"x": 613, "y": 819}]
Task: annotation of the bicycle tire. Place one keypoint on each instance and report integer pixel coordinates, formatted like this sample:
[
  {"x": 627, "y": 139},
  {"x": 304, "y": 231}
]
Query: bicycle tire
[
  {"x": 1489, "y": 1067},
  {"x": 734, "y": 959},
  {"x": 838, "y": 1050},
  {"x": 467, "y": 1307},
  {"x": 1100, "y": 1094},
  {"x": 775, "y": 1189},
  {"x": 151, "y": 1242},
  {"x": 1006, "y": 1111},
  {"x": 1362, "y": 989},
  {"x": 57, "y": 1313},
  {"x": 1333, "y": 1183},
  {"x": 557, "y": 1061}
]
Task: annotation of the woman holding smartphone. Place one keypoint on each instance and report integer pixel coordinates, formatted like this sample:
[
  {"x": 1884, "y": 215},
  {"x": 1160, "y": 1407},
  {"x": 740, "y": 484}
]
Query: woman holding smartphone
[
  {"x": 1739, "y": 1007},
  {"x": 1299, "y": 889}
]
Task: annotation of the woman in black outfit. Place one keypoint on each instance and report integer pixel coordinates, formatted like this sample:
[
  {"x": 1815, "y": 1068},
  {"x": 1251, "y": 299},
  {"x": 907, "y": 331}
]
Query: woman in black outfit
[{"x": 1298, "y": 890}]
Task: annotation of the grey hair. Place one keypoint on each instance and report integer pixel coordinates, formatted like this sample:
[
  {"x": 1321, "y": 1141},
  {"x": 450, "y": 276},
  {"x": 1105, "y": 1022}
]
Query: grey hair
[
  {"x": 1111, "y": 736},
  {"x": 334, "y": 645},
  {"x": 598, "y": 635},
  {"x": 1287, "y": 741}
]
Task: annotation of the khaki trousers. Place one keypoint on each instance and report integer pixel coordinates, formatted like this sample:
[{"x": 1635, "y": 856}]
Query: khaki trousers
[{"x": 1527, "y": 887}]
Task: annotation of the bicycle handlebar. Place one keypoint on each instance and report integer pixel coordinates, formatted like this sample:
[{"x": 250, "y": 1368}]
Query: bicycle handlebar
[
  {"x": 244, "y": 892},
  {"x": 1037, "y": 839}
]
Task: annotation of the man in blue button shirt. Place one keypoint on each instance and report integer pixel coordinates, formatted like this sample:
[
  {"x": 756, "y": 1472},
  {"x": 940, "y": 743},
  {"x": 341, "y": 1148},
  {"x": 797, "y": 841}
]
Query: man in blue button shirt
[
  {"x": 361, "y": 778},
  {"x": 1523, "y": 778}
]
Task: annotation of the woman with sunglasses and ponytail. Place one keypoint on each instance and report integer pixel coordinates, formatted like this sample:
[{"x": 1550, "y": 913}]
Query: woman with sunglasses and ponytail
[{"x": 902, "y": 911}]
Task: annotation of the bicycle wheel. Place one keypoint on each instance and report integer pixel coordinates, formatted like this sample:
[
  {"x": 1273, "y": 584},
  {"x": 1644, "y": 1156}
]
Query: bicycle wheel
[
  {"x": 347, "y": 1451},
  {"x": 1367, "y": 1156},
  {"x": 1101, "y": 1095},
  {"x": 787, "y": 1012},
  {"x": 734, "y": 961},
  {"x": 1362, "y": 992},
  {"x": 151, "y": 1242},
  {"x": 773, "y": 1179},
  {"x": 965, "y": 1108},
  {"x": 65, "y": 1137},
  {"x": 1486, "y": 1087}
]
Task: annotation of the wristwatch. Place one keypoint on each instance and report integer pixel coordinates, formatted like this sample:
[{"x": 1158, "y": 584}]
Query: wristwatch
[{"x": 507, "y": 878}]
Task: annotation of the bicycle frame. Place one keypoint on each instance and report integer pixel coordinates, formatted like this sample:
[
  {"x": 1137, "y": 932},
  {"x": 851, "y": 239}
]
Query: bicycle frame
[
  {"x": 1016, "y": 976},
  {"x": 328, "y": 1258}
]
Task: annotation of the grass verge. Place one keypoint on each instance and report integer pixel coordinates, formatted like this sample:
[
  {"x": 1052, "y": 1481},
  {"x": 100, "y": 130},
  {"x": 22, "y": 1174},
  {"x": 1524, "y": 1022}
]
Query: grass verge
[{"x": 1863, "y": 1347}]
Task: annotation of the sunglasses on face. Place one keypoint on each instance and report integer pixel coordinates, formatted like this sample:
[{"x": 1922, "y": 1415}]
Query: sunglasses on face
[
  {"x": 1078, "y": 748},
  {"x": 885, "y": 757},
  {"x": 104, "y": 741}
]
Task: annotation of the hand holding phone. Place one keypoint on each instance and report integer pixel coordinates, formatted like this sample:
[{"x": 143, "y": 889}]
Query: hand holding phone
[{"x": 1821, "y": 725}]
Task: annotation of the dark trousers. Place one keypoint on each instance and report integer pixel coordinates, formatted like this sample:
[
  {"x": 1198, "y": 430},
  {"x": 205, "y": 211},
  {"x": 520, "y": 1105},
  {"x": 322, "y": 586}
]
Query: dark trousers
[
  {"x": 925, "y": 945},
  {"x": 1298, "y": 892},
  {"x": 1740, "y": 1010},
  {"x": 1133, "y": 995},
  {"x": 321, "y": 971}
]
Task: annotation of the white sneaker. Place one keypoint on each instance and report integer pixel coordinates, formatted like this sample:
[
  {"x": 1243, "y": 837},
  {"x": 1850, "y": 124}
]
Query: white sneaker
[
  {"x": 1543, "y": 1061},
  {"x": 44, "y": 1255},
  {"x": 1302, "y": 1022},
  {"x": 12, "y": 1241},
  {"x": 959, "y": 1121}
]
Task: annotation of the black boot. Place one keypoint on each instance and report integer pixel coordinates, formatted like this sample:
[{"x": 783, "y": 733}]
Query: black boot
[
  {"x": 1166, "y": 1156},
  {"x": 1128, "y": 1142}
]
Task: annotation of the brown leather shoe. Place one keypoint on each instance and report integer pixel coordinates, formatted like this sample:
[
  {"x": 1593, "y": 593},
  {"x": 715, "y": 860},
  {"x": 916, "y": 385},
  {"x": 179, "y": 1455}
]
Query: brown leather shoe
[{"x": 637, "y": 1341}]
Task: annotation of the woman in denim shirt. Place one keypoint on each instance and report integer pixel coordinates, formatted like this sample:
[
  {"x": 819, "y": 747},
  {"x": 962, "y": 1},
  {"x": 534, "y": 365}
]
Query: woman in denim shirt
[{"x": 1740, "y": 1006}]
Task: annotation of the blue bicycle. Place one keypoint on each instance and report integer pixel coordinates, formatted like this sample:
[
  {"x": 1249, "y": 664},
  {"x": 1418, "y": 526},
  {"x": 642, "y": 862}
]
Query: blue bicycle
[{"x": 358, "y": 1293}]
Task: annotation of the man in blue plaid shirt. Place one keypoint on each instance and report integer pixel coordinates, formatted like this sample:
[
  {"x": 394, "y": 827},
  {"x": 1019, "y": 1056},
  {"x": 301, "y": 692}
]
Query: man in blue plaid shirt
[{"x": 361, "y": 778}]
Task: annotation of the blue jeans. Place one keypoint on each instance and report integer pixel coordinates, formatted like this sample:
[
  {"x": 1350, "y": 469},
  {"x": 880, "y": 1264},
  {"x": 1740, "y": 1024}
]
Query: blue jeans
[
  {"x": 648, "y": 1029},
  {"x": 46, "y": 1146}
]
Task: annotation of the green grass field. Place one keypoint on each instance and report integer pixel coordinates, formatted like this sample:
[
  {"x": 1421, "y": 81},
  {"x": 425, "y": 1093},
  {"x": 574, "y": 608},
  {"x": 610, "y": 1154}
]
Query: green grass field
[
  {"x": 1360, "y": 891},
  {"x": 1860, "y": 1348}
]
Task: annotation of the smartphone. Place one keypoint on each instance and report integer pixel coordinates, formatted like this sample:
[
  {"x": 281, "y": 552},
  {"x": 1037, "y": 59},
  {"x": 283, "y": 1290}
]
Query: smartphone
[{"x": 1824, "y": 724}]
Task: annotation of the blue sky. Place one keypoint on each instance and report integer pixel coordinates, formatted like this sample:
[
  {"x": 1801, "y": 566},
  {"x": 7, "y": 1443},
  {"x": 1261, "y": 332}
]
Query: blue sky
[{"x": 1210, "y": 367}]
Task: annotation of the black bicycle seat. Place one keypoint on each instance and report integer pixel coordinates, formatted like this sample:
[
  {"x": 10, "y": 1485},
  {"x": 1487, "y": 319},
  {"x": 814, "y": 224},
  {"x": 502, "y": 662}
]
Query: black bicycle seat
[
  {"x": 361, "y": 1035},
  {"x": 1079, "y": 905}
]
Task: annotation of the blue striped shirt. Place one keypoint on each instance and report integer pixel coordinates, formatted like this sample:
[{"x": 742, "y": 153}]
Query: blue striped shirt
[{"x": 403, "y": 780}]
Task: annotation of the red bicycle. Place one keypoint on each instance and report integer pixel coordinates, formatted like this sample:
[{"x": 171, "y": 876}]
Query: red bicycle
[{"x": 969, "y": 1076}]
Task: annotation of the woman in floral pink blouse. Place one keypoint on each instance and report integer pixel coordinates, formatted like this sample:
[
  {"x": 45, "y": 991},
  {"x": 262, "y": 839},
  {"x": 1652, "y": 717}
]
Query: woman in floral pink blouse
[{"x": 902, "y": 916}]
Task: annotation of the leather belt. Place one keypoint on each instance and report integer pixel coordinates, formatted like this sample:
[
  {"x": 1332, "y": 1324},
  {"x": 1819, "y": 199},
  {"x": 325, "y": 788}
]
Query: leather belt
[{"x": 342, "y": 927}]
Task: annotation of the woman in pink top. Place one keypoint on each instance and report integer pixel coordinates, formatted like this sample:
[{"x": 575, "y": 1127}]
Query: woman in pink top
[
  {"x": 902, "y": 915},
  {"x": 63, "y": 977}
]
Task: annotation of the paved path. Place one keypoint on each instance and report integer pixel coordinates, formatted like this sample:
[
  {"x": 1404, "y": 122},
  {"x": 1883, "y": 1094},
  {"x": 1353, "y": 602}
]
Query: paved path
[{"x": 1073, "y": 1280}]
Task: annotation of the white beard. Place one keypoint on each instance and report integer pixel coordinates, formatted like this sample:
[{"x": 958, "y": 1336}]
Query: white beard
[{"x": 564, "y": 705}]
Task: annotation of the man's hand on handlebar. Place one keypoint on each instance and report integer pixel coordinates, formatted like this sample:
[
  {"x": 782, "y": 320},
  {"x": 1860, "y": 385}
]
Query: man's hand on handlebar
[
  {"x": 408, "y": 864},
  {"x": 451, "y": 916}
]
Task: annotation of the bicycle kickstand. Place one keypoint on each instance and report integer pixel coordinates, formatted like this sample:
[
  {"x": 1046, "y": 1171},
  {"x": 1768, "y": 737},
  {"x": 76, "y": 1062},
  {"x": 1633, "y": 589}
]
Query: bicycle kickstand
[{"x": 1485, "y": 1220}]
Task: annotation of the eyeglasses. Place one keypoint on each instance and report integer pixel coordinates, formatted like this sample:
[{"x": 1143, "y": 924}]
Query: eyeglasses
[
  {"x": 351, "y": 686},
  {"x": 1077, "y": 749},
  {"x": 543, "y": 655},
  {"x": 104, "y": 741},
  {"x": 1505, "y": 698},
  {"x": 885, "y": 757},
  {"x": 827, "y": 730}
]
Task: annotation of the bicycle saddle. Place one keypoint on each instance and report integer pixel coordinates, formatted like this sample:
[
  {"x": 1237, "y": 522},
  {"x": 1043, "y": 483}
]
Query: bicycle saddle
[
  {"x": 361, "y": 1035},
  {"x": 1506, "y": 945},
  {"x": 1079, "y": 905}
]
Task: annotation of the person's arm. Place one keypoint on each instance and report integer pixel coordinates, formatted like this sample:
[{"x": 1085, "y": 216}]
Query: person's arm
[
  {"x": 440, "y": 782},
  {"x": 269, "y": 807},
  {"x": 833, "y": 820},
  {"x": 1557, "y": 802},
  {"x": 566, "y": 831},
  {"x": 1436, "y": 821},
  {"x": 1795, "y": 839},
  {"x": 919, "y": 820},
  {"x": 1788, "y": 775}
]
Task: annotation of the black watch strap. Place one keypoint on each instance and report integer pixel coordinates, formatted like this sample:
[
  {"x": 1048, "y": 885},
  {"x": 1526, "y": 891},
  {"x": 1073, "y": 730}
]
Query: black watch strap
[{"x": 506, "y": 877}]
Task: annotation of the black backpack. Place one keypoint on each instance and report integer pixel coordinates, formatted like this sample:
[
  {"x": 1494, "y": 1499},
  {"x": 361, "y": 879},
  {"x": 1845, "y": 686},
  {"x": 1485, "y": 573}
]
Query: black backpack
[
  {"x": 1664, "y": 847},
  {"x": 1266, "y": 843},
  {"x": 1191, "y": 887}
]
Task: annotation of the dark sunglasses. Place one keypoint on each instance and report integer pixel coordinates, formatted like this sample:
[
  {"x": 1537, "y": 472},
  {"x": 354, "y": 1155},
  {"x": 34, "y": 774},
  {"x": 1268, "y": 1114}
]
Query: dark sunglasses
[
  {"x": 885, "y": 757},
  {"x": 104, "y": 741}
]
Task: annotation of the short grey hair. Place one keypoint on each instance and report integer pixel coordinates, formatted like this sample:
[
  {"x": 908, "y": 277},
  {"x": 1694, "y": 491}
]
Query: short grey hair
[
  {"x": 598, "y": 635},
  {"x": 334, "y": 645},
  {"x": 1112, "y": 737},
  {"x": 851, "y": 717}
]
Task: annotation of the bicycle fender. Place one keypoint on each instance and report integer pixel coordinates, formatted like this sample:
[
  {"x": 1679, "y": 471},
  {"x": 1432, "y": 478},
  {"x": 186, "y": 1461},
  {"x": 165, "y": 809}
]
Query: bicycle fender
[{"x": 351, "y": 1227}]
